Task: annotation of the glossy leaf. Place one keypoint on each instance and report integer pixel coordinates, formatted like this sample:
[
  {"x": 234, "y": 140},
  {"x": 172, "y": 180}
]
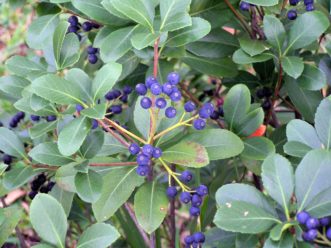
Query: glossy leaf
[
  {"x": 13, "y": 85},
  {"x": 293, "y": 66},
  {"x": 96, "y": 112},
  {"x": 258, "y": 148},
  {"x": 312, "y": 78},
  {"x": 323, "y": 122},
  {"x": 274, "y": 31},
  {"x": 263, "y": 2},
  {"x": 88, "y": 186},
  {"x": 240, "y": 57},
  {"x": 65, "y": 198},
  {"x": 252, "y": 47},
  {"x": 320, "y": 206},
  {"x": 18, "y": 176},
  {"x": 92, "y": 144},
  {"x": 12, "y": 215},
  {"x": 41, "y": 128},
  {"x": 81, "y": 80},
  {"x": 11, "y": 144}
]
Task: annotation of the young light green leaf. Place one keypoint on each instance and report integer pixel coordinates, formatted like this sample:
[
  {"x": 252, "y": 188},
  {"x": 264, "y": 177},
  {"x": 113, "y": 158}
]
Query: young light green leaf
[
  {"x": 96, "y": 112},
  {"x": 11, "y": 144},
  {"x": 13, "y": 85},
  {"x": 293, "y": 66},
  {"x": 150, "y": 206},
  {"x": 88, "y": 186},
  {"x": 174, "y": 14}
]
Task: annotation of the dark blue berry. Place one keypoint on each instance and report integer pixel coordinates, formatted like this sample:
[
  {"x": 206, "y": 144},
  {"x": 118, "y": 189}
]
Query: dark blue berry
[
  {"x": 73, "y": 20},
  {"x": 51, "y": 118},
  {"x": 116, "y": 109},
  {"x": 95, "y": 25},
  {"x": 302, "y": 217},
  {"x": 160, "y": 103},
  {"x": 95, "y": 124},
  {"x": 50, "y": 185},
  {"x": 209, "y": 106},
  {"x": 199, "y": 237},
  {"x": 167, "y": 88},
  {"x": 204, "y": 113},
  {"x": 189, "y": 106},
  {"x": 293, "y": 2},
  {"x": 127, "y": 89},
  {"x": 145, "y": 102},
  {"x": 199, "y": 124},
  {"x": 124, "y": 98},
  {"x": 325, "y": 221},
  {"x": 87, "y": 26},
  {"x": 189, "y": 240},
  {"x": 185, "y": 197},
  {"x": 202, "y": 190},
  {"x": 141, "y": 89},
  {"x": 196, "y": 200},
  {"x": 44, "y": 189},
  {"x": 143, "y": 160},
  {"x": 292, "y": 14},
  {"x": 244, "y": 6},
  {"x": 260, "y": 93},
  {"x": 310, "y": 7},
  {"x": 13, "y": 123},
  {"x": 194, "y": 211},
  {"x": 312, "y": 223},
  {"x": 134, "y": 149},
  {"x": 171, "y": 192},
  {"x": 215, "y": 115},
  {"x": 175, "y": 96},
  {"x": 32, "y": 194},
  {"x": 1, "y": 124},
  {"x": 221, "y": 111},
  {"x": 157, "y": 153},
  {"x": 156, "y": 89},
  {"x": 35, "y": 118},
  {"x": 112, "y": 95},
  {"x": 92, "y": 50},
  {"x": 73, "y": 29},
  {"x": 266, "y": 105},
  {"x": 20, "y": 115},
  {"x": 267, "y": 92},
  {"x": 170, "y": 112},
  {"x": 92, "y": 58},
  {"x": 186, "y": 176},
  {"x": 7, "y": 159},
  {"x": 79, "y": 107},
  {"x": 310, "y": 235},
  {"x": 306, "y": 2},
  {"x": 150, "y": 80},
  {"x": 148, "y": 150},
  {"x": 328, "y": 233},
  {"x": 142, "y": 170},
  {"x": 173, "y": 78}
]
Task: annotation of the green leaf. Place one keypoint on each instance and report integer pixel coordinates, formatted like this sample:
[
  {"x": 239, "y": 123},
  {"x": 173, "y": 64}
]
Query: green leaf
[
  {"x": 263, "y": 2},
  {"x": 88, "y": 186},
  {"x": 320, "y": 205},
  {"x": 219, "y": 238},
  {"x": 311, "y": 180},
  {"x": 278, "y": 179},
  {"x": 293, "y": 66},
  {"x": 105, "y": 79},
  {"x": 187, "y": 153},
  {"x": 12, "y": 216},
  {"x": 140, "y": 11},
  {"x": 150, "y": 206},
  {"x": 57, "y": 90},
  {"x": 285, "y": 242},
  {"x": 241, "y": 58},
  {"x": 24, "y": 105},
  {"x": 40, "y": 31},
  {"x": 92, "y": 144},
  {"x": 96, "y": 112},
  {"x": 277, "y": 232},
  {"x": 38, "y": 103},
  {"x": 65, "y": 198},
  {"x": 243, "y": 217},
  {"x": 323, "y": 122},
  {"x": 142, "y": 37},
  {"x": 117, "y": 44},
  {"x": 246, "y": 240},
  {"x": 196, "y": 31},
  {"x": 65, "y": 177},
  {"x": 219, "y": 143},
  {"x": 45, "y": 211},
  {"x": 274, "y": 31},
  {"x": 258, "y": 148},
  {"x": 252, "y": 47},
  {"x": 306, "y": 29},
  {"x": 73, "y": 135},
  {"x": 250, "y": 123},
  {"x": 13, "y": 85},
  {"x": 237, "y": 104},
  {"x": 48, "y": 153},
  {"x": 22, "y": 66},
  {"x": 219, "y": 67},
  {"x": 98, "y": 235},
  {"x": 18, "y": 176},
  {"x": 40, "y": 129},
  {"x": 296, "y": 149},
  {"x": 81, "y": 80},
  {"x": 111, "y": 146},
  {"x": 312, "y": 78},
  {"x": 11, "y": 144},
  {"x": 174, "y": 14},
  {"x": 117, "y": 188}
]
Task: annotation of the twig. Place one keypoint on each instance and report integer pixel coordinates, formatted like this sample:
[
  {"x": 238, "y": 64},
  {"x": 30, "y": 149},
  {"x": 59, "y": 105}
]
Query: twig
[
  {"x": 122, "y": 141},
  {"x": 172, "y": 216}
]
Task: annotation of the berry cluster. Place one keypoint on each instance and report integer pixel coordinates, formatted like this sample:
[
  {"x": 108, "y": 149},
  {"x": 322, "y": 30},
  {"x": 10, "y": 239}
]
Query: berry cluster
[
  {"x": 48, "y": 118},
  {"x": 313, "y": 226},
  {"x": 92, "y": 54},
  {"x": 265, "y": 93},
  {"x": 122, "y": 96},
  {"x": 16, "y": 119},
  {"x": 40, "y": 184},
  {"x": 292, "y": 14},
  {"x": 194, "y": 240},
  {"x": 144, "y": 156}
]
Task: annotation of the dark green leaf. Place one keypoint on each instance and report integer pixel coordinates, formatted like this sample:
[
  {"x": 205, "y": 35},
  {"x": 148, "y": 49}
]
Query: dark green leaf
[
  {"x": 96, "y": 112},
  {"x": 275, "y": 31},
  {"x": 11, "y": 144},
  {"x": 240, "y": 57},
  {"x": 92, "y": 144},
  {"x": 252, "y": 47},
  {"x": 18, "y": 176},
  {"x": 293, "y": 66},
  {"x": 312, "y": 78},
  {"x": 41, "y": 128},
  {"x": 323, "y": 122},
  {"x": 12, "y": 216},
  {"x": 296, "y": 149},
  {"x": 258, "y": 148},
  {"x": 88, "y": 186}
]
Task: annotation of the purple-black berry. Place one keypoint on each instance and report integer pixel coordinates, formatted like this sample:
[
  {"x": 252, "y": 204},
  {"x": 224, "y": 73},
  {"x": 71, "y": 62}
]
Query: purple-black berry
[
  {"x": 310, "y": 7},
  {"x": 173, "y": 78},
  {"x": 171, "y": 192},
  {"x": 95, "y": 124},
  {"x": 150, "y": 80},
  {"x": 186, "y": 176},
  {"x": 196, "y": 200},
  {"x": 73, "y": 20},
  {"x": 293, "y": 2},
  {"x": 244, "y": 6},
  {"x": 157, "y": 153},
  {"x": 79, "y": 107},
  {"x": 312, "y": 223},
  {"x": 175, "y": 96},
  {"x": 302, "y": 217},
  {"x": 7, "y": 159},
  {"x": 134, "y": 149},
  {"x": 145, "y": 102},
  {"x": 194, "y": 211},
  {"x": 170, "y": 112},
  {"x": 167, "y": 88},
  {"x": 156, "y": 89},
  {"x": 199, "y": 237},
  {"x": 127, "y": 89},
  {"x": 292, "y": 14},
  {"x": 325, "y": 221},
  {"x": 51, "y": 118},
  {"x": 141, "y": 89},
  {"x": 189, "y": 106},
  {"x": 143, "y": 160},
  {"x": 189, "y": 240},
  {"x": 73, "y": 29},
  {"x": 87, "y": 26},
  {"x": 92, "y": 58},
  {"x": 32, "y": 194},
  {"x": 92, "y": 50},
  {"x": 160, "y": 103},
  {"x": 185, "y": 197},
  {"x": 202, "y": 190},
  {"x": 148, "y": 150},
  {"x": 199, "y": 124},
  {"x": 328, "y": 233},
  {"x": 142, "y": 170},
  {"x": 311, "y": 235},
  {"x": 116, "y": 109},
  {"x": 35, "y": 118}
]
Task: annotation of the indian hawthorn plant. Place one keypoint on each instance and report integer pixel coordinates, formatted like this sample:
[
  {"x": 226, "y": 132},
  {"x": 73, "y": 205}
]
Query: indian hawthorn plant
[{"x": 168, "y": 123}]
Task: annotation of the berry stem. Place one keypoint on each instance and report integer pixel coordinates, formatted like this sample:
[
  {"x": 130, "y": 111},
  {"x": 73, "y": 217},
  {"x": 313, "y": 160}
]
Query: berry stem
[
  {"x": 172, "y": 216},
  {"x": 122, "y": 141},
  {"x": 114, "y": 164},
  {"x": 325, "y": 240},
  {"x": 124, "y": 134}
]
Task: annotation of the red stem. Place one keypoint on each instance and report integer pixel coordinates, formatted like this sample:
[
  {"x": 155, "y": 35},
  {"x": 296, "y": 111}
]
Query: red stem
[
  {"x": 114, "y": 164},
  {"x": 120, "y": 131},
  {"x": 122, "y": 141}
]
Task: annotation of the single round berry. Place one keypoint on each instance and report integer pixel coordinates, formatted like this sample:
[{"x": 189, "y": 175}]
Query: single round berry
[
  {"x": 199, "y": 237},
  {"x": 148, "y": 150},
  {"x": 202, "y": 190},
  {"x": 189, "y": 240},
  {"x": 325, "y": 221},
  {"x": 73, "y": 20},
  {"x": 186, "y": 176},
  {"x": 292, "y": 14},
  {"x": 175, "y": 96},
  {"x": 143, "y": 160},
  {"x": 51, "y": 118},
  {"x": 156, "y": 89},
  {"x": 302, "y": 217},
  {"x": 185, "y": 197},
  {"x": 215, "y": 115},
  {"x": 43, "y": 189},
  {"x": 244, "y": 6},
  {"x": 92, "y": 50},
  {"x": 196, "y": 200},
  {"x": 95, "y": 124},
  {"x": 157, "y": 153},
  {"x": 145, "y": 102},
  {"x": 32, "y": 194},
  {"x": 312, "y": 223},
  {"x": 20, "y": 115},
  {"x": 260, "y": 93},
  {"x": 35, "y": 118},
  {"x": 173, "y": 78},
  {"x": 170, "y": 112},
  {"x": 127, "y": 89},
  {"x": 112, "y": 95},
  {"x": 142, "y": 170},
  {"x": 328, "y": 233},
  {"x": 293, "y": 2},
  {"x": 41, "y": 179},
  {"x": 194, "y": 211},
  {"x": 204, "y": 113},
  {"x": 160, "y": 103},
  {"x": 199, "y": 124},
  {"x": 79, "y": 107},
  {"x": 150, "y": 80},
  {"x": 13, "y": 124},
  {"x": 35, "y": 185},
  {"x": 310, "y": 7},
  {"x": 116, "y": 109},
  {"x": 189, "y": 106},
  {"x": 209, "y": 106},
  {"x": 7, "y": 159},
  {"x": 73, "y": 29},
  {"x": 92, "y": 58},
  {"x": 134, "y": 149},
  {"x": 141, "y": 89},
  {"x": 311, "y": 235},
  {"x": 87, "y": 26},
  {"x": 171, "y": 192},
  {"x": 167, "y": 88}
]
